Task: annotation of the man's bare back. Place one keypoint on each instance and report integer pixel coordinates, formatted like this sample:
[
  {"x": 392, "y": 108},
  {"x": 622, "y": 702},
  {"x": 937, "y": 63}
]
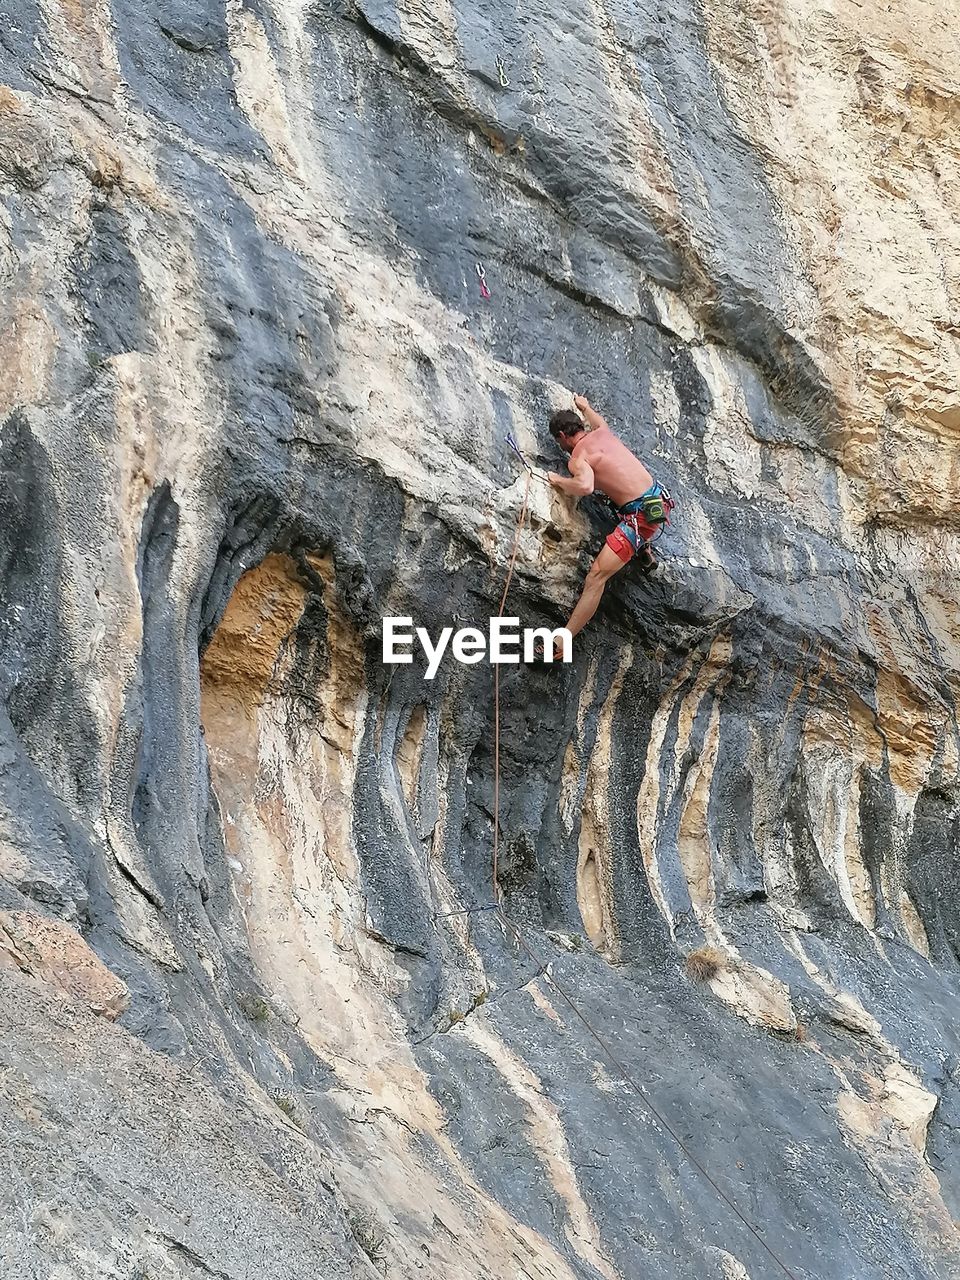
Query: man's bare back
[
  {"x": 599, "y": 460},
  {"x": 616, "y": 471}
]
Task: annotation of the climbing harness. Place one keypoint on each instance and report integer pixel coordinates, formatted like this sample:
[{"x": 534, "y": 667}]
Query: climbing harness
[
  {"x": 482, "y": 277},
  {"x": 502, "y": 74},
  {"x": 653, "y": 508},
  {"x": 544, "y": 968},
  {"x": 656, "y": 505}
]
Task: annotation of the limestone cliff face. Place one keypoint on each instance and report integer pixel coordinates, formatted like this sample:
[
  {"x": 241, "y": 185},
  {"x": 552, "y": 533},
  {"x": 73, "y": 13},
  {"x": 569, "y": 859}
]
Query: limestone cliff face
[{"x": 251, "y": 400}]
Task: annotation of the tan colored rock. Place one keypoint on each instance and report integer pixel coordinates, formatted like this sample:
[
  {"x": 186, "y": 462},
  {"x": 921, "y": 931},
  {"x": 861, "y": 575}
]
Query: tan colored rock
[
  {"x": 596, "y": 853},
  {"x": 263, "y": 611},
  {"x": 733, "y": 1268},
  {"x": 859, "y": 129},
  {"x": 910, "y": 1104},
  {"x": 55, "y": 953},
  {"x": 854, "y": 112},
  {"x": 888, "y": 1127},
  {"x": 755, "y": 995}
]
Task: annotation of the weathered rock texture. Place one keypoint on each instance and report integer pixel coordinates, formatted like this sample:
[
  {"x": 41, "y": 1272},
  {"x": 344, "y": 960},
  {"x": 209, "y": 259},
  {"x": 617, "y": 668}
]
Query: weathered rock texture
[{"x": 251, "y": 401}]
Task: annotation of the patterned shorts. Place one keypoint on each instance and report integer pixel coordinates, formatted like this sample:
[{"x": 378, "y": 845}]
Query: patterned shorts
[
  {"x": 635, "y": 530},
  {"x": 630, "y": 535}
]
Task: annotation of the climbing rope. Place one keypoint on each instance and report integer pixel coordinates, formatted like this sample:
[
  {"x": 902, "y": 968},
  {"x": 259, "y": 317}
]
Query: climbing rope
[
  {"x": 496, "y": 695},
  {"x": 544, "y": 968}
]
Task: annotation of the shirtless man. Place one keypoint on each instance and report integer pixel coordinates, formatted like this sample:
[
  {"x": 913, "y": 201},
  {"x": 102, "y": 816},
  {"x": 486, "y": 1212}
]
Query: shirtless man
[{"x": 599, "y": 460}]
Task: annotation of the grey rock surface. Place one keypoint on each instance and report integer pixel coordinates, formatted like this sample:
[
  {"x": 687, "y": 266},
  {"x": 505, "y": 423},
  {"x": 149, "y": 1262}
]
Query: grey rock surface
[{"x": 252, "y": 402}]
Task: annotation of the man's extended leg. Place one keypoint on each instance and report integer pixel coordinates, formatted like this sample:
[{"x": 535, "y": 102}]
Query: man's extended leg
[{"x": 602, "y": 570}]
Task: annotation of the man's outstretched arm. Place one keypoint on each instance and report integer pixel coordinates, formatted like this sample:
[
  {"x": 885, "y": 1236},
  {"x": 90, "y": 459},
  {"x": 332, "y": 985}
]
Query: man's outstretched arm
[
  {"x": 582, "y": 482},
  {"x": 593, "y": 419}
]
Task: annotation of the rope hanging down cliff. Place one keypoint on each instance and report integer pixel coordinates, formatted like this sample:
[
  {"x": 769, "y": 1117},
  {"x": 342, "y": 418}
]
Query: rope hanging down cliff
[{"x": 544, "y": 968}]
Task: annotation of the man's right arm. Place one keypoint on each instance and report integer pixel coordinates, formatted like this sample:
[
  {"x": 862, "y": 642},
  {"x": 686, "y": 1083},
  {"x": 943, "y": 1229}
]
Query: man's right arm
[
  {"x": 581, "y": 484},
  {"x": 593, "y": 419}
]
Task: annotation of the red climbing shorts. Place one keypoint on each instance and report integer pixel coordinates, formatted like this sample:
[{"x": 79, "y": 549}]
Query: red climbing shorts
[{"x": 629, "y": 535}]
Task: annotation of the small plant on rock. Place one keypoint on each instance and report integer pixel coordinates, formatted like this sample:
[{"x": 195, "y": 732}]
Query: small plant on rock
[
  {"x": 253, "y": 1007},
  {"x": 704, "y": 963},
  {"x": 366, "y": 1231}
]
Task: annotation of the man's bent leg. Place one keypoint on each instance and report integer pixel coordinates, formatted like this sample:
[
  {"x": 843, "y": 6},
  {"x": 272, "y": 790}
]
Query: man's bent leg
[{"x": 602, "y": 570}]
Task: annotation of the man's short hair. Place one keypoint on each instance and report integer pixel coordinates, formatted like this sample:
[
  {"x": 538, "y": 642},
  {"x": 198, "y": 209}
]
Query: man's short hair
[{"x": 565, "y": 422}]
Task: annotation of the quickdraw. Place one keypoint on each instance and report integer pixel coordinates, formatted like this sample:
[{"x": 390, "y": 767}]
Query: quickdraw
[
  {"x": 482, "y": 277},
  {"x": 516, "y": 449},
  {"x": 502, "y": 74},
  {"x": 523, "y": 461}
]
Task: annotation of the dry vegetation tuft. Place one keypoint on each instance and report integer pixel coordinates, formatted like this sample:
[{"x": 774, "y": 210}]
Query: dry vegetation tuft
[{"x": 704, "y": 963}]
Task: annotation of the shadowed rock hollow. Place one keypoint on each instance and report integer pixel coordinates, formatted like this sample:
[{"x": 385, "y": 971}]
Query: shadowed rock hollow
[{"x": 251, "y": 401}]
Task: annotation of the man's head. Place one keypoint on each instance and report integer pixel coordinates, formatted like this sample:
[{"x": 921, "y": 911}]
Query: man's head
[{"x": 565, "y": 426}]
